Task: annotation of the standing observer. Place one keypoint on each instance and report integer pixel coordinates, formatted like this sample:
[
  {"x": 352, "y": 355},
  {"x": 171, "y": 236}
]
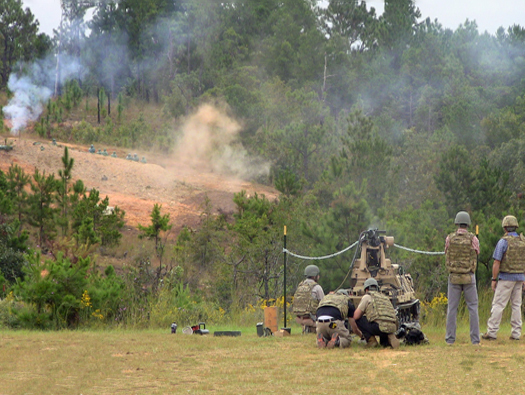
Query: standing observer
[
  {"x": 461, "y": 252},
  {"x": 507, "y": 279},
  {"x": 306, "y": 299}
]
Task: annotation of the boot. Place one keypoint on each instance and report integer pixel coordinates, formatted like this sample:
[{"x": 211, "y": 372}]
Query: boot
[
  {"x": 321, "y": 342},
  {"x": 393, "y": 340},
  {"x": 334, "y": 341},
  {"x": 372, "y": 342}
]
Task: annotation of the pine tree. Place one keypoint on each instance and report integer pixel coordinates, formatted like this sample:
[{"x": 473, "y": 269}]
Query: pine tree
[
  {"x": 159, "y": 223},
  {"x": 63, "y": 190},
  {"x": 41, "y": 209}
]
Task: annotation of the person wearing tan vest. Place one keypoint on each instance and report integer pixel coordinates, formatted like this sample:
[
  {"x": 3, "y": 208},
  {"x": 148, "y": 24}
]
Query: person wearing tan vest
[
  {"x": 508, "y": 276},
  {"x": 332, "y": 313},
  {"x": 375, "y": 316},
  {"x": 306, "y": 299},
  {"x": 461, "y": 253}
]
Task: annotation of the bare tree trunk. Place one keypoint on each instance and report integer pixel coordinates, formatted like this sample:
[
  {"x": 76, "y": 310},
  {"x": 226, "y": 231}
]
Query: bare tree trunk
[
  {"x": 98, "y": 104},
  {"x": 188, "y": 47},
  {"x": 57, "y": 73}
]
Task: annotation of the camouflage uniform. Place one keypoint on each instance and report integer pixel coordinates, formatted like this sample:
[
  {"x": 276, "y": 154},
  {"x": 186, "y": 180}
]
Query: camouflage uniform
[{"x": 306, "y": 301}]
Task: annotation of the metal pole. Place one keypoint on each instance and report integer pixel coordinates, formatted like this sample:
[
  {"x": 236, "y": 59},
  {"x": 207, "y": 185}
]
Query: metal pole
[
  {"x": 477, "y": 258},
  {"x": 285, "y": 257}
]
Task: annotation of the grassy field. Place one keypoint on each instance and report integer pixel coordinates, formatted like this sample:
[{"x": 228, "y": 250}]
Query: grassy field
[{"x": 158, "y": 362}]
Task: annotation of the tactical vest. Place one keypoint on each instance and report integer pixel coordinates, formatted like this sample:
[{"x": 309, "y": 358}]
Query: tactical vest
[
  {"x": 380, "y": 310},
  {"x": 338, "y": 301},
  {"x": 303, "y": 302},
  {"x": 514, "y": 259},
  {"x": 461, "y": 257}
]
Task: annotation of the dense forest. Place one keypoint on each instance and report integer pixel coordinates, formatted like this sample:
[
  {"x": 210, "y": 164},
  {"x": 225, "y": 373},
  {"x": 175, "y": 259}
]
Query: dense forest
[{"x": 365, "y": 121}]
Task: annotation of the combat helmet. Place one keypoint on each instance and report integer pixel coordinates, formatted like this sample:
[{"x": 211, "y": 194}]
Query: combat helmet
[
  {"x": 342, "y": 292},
  {"x": 311, "y": 271},
  {"x": 462, "y": 217},
  {"x": 509, "y": 221},
  {"x": 370, "y": 282}
]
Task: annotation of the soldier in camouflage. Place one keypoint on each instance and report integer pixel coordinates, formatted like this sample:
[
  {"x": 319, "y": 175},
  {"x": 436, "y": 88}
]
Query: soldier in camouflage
[
  {"x": 332, "y": 312},
  {"x": 375, "y": 316},
  {"x": 508, "y": 277},
  {"x": 307, "y": 298},
  {"x": 461, "y": 253}
]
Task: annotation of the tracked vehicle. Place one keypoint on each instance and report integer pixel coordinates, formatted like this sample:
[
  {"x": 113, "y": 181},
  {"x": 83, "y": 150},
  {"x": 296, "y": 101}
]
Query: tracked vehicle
[{"x": 373, "y": 262}]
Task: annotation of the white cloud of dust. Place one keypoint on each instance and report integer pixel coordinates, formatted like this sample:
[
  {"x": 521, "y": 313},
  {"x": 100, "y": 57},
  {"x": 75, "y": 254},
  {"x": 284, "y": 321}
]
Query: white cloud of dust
[{"x": 209, "y": 140}]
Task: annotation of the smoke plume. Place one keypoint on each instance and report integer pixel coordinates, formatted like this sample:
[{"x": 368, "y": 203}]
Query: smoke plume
[
  {"x": 209, "y": 138},
  {"x": 32, "y": 88}
]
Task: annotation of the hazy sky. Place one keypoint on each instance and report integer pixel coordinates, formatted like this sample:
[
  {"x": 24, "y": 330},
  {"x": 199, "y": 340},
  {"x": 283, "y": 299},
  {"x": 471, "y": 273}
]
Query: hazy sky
[{"x": 489, "y": 14}]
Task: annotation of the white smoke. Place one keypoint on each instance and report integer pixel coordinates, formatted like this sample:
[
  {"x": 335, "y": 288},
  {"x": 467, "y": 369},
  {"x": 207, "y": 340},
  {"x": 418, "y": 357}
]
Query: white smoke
[
  {"x": 31, "y": 90},
  {"x": 27, "y": 103}
]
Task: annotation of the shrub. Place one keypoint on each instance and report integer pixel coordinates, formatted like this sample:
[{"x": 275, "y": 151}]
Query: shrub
[
  {"x": 54, "y": 289},
  {"x": 178, "y": 305},
  {"x": 435, "y": 312}
]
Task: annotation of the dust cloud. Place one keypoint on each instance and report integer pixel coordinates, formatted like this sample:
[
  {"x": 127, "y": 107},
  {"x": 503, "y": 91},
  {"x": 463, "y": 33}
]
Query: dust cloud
[{"x": 209, "y": 141}]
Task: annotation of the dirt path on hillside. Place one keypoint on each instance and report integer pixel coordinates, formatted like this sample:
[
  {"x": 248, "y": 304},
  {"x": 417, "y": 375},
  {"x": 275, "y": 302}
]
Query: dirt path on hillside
[{"x": 134, "y": 186}]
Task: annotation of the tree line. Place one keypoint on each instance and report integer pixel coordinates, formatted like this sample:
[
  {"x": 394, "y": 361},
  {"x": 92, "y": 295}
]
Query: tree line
[{"x": 368, "y": 120}]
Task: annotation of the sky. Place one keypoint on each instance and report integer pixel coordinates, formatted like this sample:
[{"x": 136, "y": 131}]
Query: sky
[{"x": 489, "y": 14}]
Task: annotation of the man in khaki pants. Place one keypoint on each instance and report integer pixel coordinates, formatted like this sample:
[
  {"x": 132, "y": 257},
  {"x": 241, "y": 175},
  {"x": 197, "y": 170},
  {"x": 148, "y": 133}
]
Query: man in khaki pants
[
  {"x": 333, "y": 310},
  {"x": 507, "y": 279}
]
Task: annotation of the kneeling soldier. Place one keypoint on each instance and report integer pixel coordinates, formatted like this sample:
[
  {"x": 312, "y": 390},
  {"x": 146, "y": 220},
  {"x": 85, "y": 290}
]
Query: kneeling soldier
[
  {"x": 375, "y": 316},
  {"x": 332, "y": 312},
  {"x": 306, "y": 299}
]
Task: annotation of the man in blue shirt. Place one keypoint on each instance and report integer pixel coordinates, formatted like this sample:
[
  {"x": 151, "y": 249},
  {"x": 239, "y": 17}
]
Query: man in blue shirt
[{"x": 508, "y": 276}]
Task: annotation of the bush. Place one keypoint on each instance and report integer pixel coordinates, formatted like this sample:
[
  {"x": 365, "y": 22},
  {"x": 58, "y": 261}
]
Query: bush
[
  {"x": 434, "y": 313},
  {"x": 54, "y": 290},
  {"x": 178, "y": 305},
  {"x": 85, "y": 133},
  {"x": 7, "y": 318}
]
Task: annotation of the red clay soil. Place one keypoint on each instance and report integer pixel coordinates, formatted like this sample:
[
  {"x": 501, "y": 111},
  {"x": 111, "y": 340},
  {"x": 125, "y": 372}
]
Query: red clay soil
[{"x": 134, "y": 186}]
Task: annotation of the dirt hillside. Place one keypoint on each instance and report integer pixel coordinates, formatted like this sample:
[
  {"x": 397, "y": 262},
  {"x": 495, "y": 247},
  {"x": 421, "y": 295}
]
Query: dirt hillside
[{"x": 134, "y": 186}]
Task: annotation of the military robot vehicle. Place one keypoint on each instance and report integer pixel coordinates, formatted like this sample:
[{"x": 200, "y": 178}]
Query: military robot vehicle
[{"x": 373, "y": 262}]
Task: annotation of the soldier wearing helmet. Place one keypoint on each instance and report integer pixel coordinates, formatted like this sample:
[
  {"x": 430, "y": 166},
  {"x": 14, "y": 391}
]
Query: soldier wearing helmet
[
  {"x": 507, "y": 279},
  {"x": 306, "y": 299},
  {"x": 461, "y": 253},
  {"x": 332, "y": 312},
  {"x": 375, "y": 316}
]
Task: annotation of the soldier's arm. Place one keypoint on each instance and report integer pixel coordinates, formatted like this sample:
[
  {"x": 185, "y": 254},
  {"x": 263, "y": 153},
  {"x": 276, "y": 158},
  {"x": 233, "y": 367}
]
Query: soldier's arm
[
  {"x": 495, "y": 272},
  {"x": 317, "y": 292},
  {"x": 495, "y": 269},
  {"x": 354, "y": 327},
  {"x": 475, "y": 244}
]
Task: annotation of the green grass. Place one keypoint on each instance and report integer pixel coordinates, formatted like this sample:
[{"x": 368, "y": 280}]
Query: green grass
[{"x": 158, "y": 362}]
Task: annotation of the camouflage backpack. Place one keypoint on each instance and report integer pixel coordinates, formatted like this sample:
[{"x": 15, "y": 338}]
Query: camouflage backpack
[
  {"x": 338, "y": 301},
  {"x": 380, "y": 310},
  {"x": 514, "y": 259},
  {"x": 303, "y": 303},
  {"x": 461, "y": 257}
]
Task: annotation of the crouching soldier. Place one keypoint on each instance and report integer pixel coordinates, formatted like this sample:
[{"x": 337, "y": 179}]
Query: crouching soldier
[
  {"x": 333, "y": 310},
  {"x": 307, "y": 298},
  {"x": 375, "y": 316}
]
